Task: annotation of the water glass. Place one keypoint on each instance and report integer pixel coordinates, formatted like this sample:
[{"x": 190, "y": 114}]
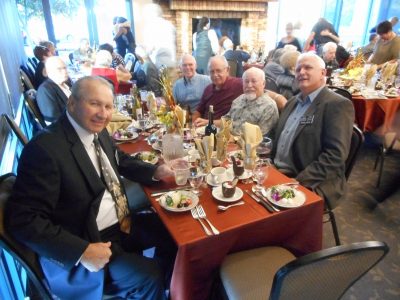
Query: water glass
[
  {"x": 260, "y": 174},
  {"x": 397, "y": 82},
  {"x": 248, "y": 163},
  {"x": 181, "y": 171},
  {"x": 195, "y": 180}
]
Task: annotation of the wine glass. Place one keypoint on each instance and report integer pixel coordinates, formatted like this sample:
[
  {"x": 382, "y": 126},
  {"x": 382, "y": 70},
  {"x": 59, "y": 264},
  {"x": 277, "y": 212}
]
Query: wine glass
[
  {"x": 142, "y": 122},
  {"x": 264, "y": 148},
  {"x": 195, "y": 180},
  {"x": 260, "y": 174}
]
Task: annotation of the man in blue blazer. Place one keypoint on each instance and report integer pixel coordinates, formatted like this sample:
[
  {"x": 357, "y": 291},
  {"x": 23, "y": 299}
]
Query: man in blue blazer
[
  {"x": 61, "y": 208},
  {"x": 53, "y": 93},
  {"x": 314, "y": 132}
]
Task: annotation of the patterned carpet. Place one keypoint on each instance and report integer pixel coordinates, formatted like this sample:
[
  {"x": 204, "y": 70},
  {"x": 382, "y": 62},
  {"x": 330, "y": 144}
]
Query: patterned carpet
[{"x": 370, "y": 213}]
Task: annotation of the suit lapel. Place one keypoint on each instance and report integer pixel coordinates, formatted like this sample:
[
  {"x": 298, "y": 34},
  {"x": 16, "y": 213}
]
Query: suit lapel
[
  {"x": 82, "y": 158},
  {"x": 311, "y": 111}
]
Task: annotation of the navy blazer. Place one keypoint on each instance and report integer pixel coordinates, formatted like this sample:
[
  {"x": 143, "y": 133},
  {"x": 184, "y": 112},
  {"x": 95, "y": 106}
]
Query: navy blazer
[
  {"x": 57, "y": 194},
  {"x": 320, "y": 148},
  {"x": 51, "y": 100}
]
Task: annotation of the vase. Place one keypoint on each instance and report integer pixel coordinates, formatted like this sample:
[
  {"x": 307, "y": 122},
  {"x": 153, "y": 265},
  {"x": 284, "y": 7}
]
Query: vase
[{"x": 172, "y": 146}]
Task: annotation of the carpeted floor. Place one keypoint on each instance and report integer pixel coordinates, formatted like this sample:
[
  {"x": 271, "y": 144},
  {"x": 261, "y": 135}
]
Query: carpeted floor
[{"x": 370, "y": 213}]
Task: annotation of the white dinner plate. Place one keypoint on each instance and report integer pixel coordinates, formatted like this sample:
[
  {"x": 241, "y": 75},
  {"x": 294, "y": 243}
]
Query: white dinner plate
[
  {"x": 144, "y": 156},
  {"x": 119, "y": 139},
  {"x": 217, "y": 194},
  {"x": 228, "y": 177},
  {"x": 298, "y": 200},
  {"x": 176, "y": 196}
]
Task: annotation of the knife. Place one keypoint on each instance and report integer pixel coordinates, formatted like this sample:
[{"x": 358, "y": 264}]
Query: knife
[
  {"x": 258, "y": 200},
  {"x": 265, "y": 199},
  {"x": 160, "y": 192}
]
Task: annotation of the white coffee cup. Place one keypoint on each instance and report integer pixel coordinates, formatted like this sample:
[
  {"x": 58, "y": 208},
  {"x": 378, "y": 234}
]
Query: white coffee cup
[{"x": 218, "y": 175}]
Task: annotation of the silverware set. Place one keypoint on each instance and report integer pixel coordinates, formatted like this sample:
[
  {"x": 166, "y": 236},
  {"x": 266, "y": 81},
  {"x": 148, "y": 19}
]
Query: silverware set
[{"x": 199, "y": 214}]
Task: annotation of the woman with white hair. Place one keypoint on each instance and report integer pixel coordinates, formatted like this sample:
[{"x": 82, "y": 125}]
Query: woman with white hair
[
  {"x": 102, "y": 67},
  {"x": 286, "y": 82}
]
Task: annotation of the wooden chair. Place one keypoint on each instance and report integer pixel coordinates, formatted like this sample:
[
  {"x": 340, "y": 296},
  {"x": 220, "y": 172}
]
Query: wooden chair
[
  {"x": 25, "y": 81},
  {"x": 15, "y": 129},
  {"x": 21, "y": 254},
  {"x": 274, "y": 273},
  {"x": 232, "y": 68}
]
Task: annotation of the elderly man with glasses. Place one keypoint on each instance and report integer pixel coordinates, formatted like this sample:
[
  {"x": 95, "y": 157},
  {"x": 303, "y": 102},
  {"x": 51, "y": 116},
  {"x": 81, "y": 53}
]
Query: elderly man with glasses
[{"x": 220, "y": 93}]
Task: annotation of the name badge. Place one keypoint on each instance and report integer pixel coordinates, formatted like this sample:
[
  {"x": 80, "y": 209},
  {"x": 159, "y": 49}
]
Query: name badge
[{"x": 306, "y": 120}]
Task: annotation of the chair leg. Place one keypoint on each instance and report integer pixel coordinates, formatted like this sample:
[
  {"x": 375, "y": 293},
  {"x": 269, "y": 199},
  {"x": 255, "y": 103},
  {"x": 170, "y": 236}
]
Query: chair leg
[
  {"x": 382, "y": 160},
  {"x": 334, "y": 227},
  {"x": 378, "y": 158}
]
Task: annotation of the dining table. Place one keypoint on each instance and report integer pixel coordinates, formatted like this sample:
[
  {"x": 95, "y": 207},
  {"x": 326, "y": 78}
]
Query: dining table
[
  {"x": 375, "y": 115},
  {"x": 248, "y": 226}
]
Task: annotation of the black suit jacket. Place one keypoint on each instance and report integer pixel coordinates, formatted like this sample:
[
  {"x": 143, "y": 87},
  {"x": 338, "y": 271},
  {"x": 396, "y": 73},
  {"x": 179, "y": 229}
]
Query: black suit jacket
[
  {"x": 320, "y": 149},
  {"x": 51, "y": 100},
  {"x": 57, "y": 192}
]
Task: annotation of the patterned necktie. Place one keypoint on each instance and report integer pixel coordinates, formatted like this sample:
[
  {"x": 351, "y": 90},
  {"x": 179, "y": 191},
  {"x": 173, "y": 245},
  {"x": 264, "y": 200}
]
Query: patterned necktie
[{"x": 114, "y": 187}]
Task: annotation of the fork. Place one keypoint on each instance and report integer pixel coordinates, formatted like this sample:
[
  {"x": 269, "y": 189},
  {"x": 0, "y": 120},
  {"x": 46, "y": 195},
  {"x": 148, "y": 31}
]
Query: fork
[
  {"x": 195, "y": 215},
  {"x": 202, "y": 215}
]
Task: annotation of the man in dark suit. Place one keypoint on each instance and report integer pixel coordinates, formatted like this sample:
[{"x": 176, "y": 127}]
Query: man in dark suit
[
  {"x": 63, "y": 210},
  {"x": 314, "y": 132},
  {"x": 53, "y": 93}
]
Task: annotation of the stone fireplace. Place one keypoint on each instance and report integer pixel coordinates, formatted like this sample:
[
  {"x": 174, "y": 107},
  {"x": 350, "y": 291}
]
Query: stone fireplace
[{"x": 244, "y": 20}]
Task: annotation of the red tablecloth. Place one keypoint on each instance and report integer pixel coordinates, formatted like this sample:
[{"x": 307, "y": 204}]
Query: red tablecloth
[
  {"x": 251, "y": 225},
  {"x": 375, "y": 115}
]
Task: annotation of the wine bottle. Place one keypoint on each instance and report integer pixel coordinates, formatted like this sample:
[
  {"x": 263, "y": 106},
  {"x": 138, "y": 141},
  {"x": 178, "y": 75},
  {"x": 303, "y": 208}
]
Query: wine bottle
[
  {"x": 211, "y": 128},
  {"x": 138, "y": 107}
]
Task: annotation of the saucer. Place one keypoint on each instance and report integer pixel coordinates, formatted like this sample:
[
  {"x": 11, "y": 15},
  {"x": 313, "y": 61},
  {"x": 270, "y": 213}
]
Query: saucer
[
  {"x": 229, "y": 176},
  {"x": 217, "y": 194}
]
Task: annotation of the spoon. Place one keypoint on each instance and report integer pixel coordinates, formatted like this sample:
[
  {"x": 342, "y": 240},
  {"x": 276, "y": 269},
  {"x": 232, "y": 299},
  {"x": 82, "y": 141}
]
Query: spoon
[{"x": 223, "y": 208}]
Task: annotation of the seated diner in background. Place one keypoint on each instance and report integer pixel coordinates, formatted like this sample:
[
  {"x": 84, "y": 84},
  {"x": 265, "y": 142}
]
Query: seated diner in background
[
  {"x": 286, "y": 82},
  {"x": 117, "y": 60},
  {"x": 329, "y": 57},
  {"x": 102, "y": 67},
  {"x": 189, "y": 89},
  {"x": 387, "y": 48},
  {"x": 41, "y": 53},
  {"x": 311, "y": 142},
  {"x": 52, "y": 95},
  {"x": 220, "y": 93},
  {"x": 69, "y": 206},
  {"x": 254, "y": 105},
  {"x": 49, "y": 45},
  {"x": 238, "y": 56},
  {"x": 150, "y": 72},
  {"x": 84, "y": 54}
]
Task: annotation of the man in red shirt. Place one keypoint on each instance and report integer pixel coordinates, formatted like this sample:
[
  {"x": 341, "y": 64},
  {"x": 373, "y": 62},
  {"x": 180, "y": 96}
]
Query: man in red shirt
[{"x": 220, "y": 93}]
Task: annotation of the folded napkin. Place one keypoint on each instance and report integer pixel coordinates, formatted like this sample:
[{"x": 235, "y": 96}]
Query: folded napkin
[
  {"x": 223, "y": 137},
  {"x": 388, "y": 70},
  {"x": 118, "y": 117},
  {"x": 370, "y": 72},
  {"x": 180, "y": 115},
  {"x": 252, "y": 137},
  {"x": 114, "y": 126},
  {"x": 151, "y": 102},
  {"x": 205, "y": 147}
]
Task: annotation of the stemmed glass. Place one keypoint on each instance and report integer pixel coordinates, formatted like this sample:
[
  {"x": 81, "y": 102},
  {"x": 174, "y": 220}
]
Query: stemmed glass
[
  {"x": 142, "y": 122},
  {"x": 260, "y": 174},
  {"x": 397, "y": 82}
]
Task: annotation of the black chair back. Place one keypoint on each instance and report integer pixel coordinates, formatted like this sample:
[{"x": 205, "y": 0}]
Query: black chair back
[
  {"x": 232, "y": 68},
  {"x": 20, "y": 253},
  {"x": 357, "y": 139},
  {"x": 334, "y": 270},
  {"x": 270, "y": 84},
  {"x": 33, "y": 108},
  {"x": 25, "y": 81},
  {"x": 15, "y": 129},
  {"x": 340, "y": 91},
  {"x": 29, "y": 72}
]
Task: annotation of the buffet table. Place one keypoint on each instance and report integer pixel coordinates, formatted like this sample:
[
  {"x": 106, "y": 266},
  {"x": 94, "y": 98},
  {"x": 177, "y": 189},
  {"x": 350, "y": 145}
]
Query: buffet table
[{"x": 243, "y": 227}]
